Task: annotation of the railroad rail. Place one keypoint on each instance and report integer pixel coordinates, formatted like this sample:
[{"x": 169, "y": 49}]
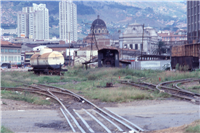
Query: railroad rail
[
  {"x": 176, "y": 92},
  {"x": 80, "y": 114}
]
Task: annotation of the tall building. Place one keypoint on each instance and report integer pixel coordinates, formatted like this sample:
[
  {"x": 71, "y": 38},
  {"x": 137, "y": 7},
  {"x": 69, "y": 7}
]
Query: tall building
[
  {"x": 193, "y": 21},
  {"x": 67, "y": 21},
  {"x": 33, "y": 22}
]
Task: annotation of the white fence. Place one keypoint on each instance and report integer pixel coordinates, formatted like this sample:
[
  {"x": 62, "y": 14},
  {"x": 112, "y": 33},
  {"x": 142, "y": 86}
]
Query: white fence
[{"x": 153, "y": 64}]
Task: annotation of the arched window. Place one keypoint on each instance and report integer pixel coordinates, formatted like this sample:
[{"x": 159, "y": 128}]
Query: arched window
[
  {"x": 99, "y": 31},
  {"x": 136, "y": 46},
  {"x": 95, "y": 31}
]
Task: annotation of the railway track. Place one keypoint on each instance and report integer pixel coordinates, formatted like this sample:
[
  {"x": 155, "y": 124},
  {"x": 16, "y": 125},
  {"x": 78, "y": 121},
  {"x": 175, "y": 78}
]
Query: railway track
[
  {"x": 80, "y": 114},
  {"x": 162, "y": 87}
]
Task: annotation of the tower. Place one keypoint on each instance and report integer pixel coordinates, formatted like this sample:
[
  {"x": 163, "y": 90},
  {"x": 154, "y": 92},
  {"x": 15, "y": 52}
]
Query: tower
[
  {"x": 67, "y": 21},
  {"x": 33, "y": 22},
  {"x": 193, "y": 21}
]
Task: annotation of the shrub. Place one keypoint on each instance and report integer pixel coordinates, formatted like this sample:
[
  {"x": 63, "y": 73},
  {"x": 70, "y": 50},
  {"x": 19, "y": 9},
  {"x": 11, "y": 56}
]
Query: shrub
[
  {"x": 128, "y": 77},
  {"x": 177, "y": 66}
]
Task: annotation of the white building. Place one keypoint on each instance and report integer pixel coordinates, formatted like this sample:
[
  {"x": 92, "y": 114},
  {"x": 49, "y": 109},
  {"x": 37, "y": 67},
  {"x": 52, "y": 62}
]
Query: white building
[
  {"x": 133, "y": 38},
  {"x": 68, "y": 21},
  {"x": 33, "y": 22}
]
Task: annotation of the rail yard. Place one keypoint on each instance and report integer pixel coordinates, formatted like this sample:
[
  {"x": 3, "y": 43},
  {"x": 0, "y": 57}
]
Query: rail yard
[{"x": 86, "y": 104}]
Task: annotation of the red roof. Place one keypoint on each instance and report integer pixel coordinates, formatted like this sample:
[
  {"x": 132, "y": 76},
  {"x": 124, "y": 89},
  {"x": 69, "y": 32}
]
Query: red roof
[{"x": 9, "y": 44}]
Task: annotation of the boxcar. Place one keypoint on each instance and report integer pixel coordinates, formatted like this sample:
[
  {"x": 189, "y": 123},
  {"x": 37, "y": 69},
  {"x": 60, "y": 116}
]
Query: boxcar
[{"x": 190, "y": 61}]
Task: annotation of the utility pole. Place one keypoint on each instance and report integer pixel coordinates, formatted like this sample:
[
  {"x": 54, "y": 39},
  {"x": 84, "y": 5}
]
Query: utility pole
[
  {"x": 142, "y": 40},
  {"x": 69, "y": 51}
]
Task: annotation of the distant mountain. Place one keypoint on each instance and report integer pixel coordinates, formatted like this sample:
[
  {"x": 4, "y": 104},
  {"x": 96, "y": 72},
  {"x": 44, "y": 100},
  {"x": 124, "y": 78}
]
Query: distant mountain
[{"x": 117, "y": 15}]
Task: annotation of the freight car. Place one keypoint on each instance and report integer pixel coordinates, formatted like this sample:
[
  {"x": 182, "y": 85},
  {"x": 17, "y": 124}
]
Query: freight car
[
  {"x": 47, "y": 62},
  {"x": 186, "y": 55},
  {"x": 190, "y": 62}
]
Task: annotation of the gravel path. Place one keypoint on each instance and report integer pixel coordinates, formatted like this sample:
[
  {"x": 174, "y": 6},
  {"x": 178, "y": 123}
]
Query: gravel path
[
  {"x": 156, "y": 115},
  {"x": 150, "y": 115}
]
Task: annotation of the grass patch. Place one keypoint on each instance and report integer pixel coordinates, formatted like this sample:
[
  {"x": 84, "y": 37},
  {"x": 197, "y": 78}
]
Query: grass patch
[
  {"x": 91, "y": 78},
  {"x": 195, "y": 89},
  {"x": 114, "y": 94},
  {"x": 5, "y": 130},
  {"x": 119, "y": 95},
  {"x": 194, "y": 128},
  {"x": 170, "y": 76},
  {"x": 24, "y": 96}
]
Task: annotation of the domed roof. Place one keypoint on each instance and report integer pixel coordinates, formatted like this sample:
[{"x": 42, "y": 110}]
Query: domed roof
[
  {"x": 98, "y": 23},
  {"x": 148, "y": 28},
  {"x": 135, "y": 24}
]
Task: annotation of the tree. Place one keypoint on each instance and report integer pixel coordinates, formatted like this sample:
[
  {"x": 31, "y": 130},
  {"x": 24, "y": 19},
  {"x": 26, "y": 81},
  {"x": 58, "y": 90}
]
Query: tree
[{"x": 160, "y": 48}]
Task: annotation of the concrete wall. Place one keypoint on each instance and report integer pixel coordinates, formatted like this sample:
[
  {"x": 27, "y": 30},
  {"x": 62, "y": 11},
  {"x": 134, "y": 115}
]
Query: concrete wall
[{"x": 154, "y": 65}]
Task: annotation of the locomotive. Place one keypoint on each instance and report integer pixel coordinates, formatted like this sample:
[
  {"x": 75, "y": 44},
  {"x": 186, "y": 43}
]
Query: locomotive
[{"x": 47, "y": 62}]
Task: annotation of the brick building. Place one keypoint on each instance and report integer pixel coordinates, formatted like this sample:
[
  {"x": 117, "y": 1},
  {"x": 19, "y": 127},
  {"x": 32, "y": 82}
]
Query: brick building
[{"x": 179, "y": 35}]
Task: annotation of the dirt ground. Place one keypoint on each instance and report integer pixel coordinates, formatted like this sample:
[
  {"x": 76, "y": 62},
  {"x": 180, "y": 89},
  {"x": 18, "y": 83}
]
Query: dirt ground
[{"x": 140, "y": 113}]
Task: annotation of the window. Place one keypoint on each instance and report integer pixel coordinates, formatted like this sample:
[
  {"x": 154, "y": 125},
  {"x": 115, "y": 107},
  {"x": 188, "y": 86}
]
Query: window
[
  {"x": 141, "y": 47},
  {"x": 28, "y": 56},
  {"x": 131, "y": 46},
  {"x": 15, "y": 58},
  {"x": 125, "y": 45},
  {"x": 6, "y": 51},
  {"x": 136, "y": 46},
  {"x": 19, "y": 59},
  {"x": 2, "y": 58},
  {"x": 5, "y": 58},
  {"x": 2, "y": 50},
  {"x": 99, "y": 31}
]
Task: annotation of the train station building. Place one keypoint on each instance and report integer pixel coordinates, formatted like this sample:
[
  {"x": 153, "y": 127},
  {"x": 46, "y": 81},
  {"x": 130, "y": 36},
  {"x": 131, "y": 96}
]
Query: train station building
[{"x": 10, "y": 53}]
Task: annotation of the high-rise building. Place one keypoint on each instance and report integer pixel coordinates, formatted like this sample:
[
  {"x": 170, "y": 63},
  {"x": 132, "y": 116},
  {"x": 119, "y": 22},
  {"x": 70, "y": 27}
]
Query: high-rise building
[
  {"x": 193, "y": 21},
  {"x": 68, "y": 21},
  {"x": 33, "y": 22}
]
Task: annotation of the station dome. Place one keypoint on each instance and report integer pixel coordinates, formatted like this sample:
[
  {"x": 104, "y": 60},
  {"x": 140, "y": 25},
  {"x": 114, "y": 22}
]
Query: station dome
[{"x": 98, "y": 23}]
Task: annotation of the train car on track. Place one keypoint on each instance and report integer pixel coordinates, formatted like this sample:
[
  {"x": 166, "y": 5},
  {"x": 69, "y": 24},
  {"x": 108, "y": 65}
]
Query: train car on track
[
  {"x": 186, "y": 55},
  {"x": 47, "y": 62}
]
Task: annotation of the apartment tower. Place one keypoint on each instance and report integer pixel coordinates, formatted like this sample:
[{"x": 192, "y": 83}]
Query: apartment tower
[
  {"x": 67, "y": 21},
  {"x": 193, "y": 21},
  {"x": 33, "y": 22}
]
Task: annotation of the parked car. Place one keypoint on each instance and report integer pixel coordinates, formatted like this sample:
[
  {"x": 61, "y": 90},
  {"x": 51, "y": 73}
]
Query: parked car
[{"x": 6, "y": 65}]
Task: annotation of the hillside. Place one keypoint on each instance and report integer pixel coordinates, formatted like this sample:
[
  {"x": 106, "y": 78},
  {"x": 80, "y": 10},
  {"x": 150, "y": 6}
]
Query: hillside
[{"x": 117, "y": 15}]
